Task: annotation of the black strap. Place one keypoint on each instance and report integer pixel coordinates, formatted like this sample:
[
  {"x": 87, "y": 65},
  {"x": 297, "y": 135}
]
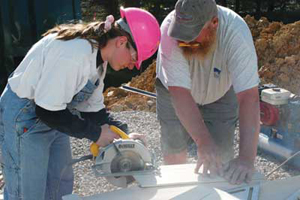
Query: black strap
[
  {"x": 99, "y": 60},
  {"x": 65, "y": 122},
  {"x": 103, "y": 117}
]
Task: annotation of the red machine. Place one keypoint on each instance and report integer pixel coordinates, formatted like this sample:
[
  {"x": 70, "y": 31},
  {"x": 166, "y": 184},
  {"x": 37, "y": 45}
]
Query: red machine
[{"x": 280, "y": 123}]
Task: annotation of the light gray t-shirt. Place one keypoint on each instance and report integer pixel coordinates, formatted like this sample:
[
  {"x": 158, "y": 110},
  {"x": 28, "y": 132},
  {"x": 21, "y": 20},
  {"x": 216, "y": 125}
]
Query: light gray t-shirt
[
  {"x": 233, "y": 62},
  {"x": 53, "y": 71}
]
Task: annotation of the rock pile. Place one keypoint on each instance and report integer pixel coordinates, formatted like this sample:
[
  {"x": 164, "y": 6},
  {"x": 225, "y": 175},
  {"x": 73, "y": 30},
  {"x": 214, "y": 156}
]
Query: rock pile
[
  {"x": 278, "y": 50},
  {"x": 117, "y": 99}
]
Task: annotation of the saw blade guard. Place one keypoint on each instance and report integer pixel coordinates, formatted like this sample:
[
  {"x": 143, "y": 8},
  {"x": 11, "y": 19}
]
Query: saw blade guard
[{"x": 119, "y": 161}]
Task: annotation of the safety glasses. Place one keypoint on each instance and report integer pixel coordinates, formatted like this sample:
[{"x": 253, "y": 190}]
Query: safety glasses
[
  {"x": 133, "y": 53},
  {"x": 190, "y": 44}
]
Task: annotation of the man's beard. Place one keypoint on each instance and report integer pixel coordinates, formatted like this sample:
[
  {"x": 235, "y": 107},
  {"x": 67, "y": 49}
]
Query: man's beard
[{"x": 206, "y": 47}]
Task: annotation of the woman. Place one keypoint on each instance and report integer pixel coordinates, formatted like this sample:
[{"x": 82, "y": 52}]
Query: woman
[{"x": 56, "y": 92}]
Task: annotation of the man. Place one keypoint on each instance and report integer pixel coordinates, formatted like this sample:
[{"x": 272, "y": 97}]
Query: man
[{"x": 206, "y": 80}]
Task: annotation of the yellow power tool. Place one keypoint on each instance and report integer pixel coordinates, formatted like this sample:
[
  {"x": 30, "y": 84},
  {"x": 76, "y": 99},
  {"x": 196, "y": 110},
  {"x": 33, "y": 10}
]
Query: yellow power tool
[{"x": 94, "y": 148}]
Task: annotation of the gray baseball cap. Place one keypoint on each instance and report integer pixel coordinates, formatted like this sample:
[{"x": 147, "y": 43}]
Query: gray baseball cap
[{"x": 189, "y": 18}]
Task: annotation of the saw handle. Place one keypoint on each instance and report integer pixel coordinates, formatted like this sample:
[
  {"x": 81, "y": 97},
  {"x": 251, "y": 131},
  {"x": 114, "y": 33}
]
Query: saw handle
[
  {"x": 94, "y": 148},
  {"x": 118, "y": 131}
]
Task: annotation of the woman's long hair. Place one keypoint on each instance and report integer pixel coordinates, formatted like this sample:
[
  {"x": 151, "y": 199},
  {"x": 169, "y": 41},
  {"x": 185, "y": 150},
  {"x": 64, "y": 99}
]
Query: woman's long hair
[{"x": 93, "y": 32}]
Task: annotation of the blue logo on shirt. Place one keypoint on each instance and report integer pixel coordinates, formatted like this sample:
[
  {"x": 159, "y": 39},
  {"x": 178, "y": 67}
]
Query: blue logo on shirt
[{"x": 217, "y": 72}]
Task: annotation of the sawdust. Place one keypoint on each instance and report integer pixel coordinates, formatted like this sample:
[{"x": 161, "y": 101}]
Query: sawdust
[{"x": 278, "y": 50}]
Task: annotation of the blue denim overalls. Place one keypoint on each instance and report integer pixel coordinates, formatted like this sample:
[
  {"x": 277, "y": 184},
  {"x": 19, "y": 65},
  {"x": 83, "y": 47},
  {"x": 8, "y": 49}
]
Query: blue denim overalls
[{"x": 34, "y": 155}]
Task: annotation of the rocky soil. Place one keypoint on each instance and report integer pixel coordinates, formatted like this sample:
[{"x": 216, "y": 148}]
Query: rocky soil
[{"x": 278, "y": 51}]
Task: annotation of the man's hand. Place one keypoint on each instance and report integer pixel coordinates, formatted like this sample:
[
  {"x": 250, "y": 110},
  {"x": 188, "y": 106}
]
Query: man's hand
[
  {"x": 241, "y": 169},
  {"x": 192, "y": 120},
  {"x": 208, "y": 156},
  {"x": 107, "y": 136},
  {"x": 238, "y": 171}
]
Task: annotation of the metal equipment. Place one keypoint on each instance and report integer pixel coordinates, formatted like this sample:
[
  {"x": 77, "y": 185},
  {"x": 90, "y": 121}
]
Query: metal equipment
[
  {"x": 247, "y": 193},
  {"x": 138, "y": 91},
  {"x": 122, "y": 159},
  {"x": 280, "y": 123}
]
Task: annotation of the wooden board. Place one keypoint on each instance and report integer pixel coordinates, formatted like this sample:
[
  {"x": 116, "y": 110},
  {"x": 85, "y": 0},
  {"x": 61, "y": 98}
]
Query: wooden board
[
  {"x": 295, "y": 196},
  {"x": 280, "y": 189},
  {"x": 172, "y": 175},
  {"x": 174, "y": 193},
  {"x": 274, "y": 190},
  {"x": 197, "y": 188}
]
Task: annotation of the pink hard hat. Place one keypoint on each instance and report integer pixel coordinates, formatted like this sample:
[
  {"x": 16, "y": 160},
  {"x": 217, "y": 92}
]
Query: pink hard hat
[{"x": 144, "y": 30}]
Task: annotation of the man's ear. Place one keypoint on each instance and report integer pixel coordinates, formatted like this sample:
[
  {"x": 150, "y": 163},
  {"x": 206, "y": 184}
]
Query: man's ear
[
  {"x": 121, "y": 41},
  {"x": 215, "y": 22}
]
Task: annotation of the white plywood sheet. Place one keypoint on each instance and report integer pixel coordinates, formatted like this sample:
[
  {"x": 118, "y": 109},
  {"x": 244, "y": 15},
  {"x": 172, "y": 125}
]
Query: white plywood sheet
[
  {"x": 172, "y": 175},
  {"x": 275, "y": 190},
  {"x": 174, "y": 193},
  {"x": 280, "y": 189},
  {"x": 294, "y": 196}
]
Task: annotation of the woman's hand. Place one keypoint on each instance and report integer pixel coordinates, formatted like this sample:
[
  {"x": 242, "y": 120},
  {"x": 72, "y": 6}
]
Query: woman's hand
[{"x": 107, "y": 136}]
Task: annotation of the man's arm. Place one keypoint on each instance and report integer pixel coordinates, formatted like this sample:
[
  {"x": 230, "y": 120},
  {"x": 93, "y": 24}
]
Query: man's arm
[
  {"x": 241, "y": 168},
  {"x": 249, "y": 121},
  {"x": 191, "y": 118}
]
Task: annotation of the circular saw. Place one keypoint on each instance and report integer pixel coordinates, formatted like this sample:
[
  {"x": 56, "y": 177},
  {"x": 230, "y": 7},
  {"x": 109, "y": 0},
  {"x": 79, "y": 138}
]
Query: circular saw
[{"x": 121, "y": 160}]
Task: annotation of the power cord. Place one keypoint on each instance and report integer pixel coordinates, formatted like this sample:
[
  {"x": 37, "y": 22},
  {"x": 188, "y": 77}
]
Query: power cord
[
  {"x": 74, "y": 161},
  {"x": 295, "y": 154}
]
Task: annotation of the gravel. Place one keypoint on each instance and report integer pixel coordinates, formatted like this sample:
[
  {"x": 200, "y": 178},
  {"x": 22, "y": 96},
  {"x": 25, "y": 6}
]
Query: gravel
[{"x": 87, "y": 184}]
